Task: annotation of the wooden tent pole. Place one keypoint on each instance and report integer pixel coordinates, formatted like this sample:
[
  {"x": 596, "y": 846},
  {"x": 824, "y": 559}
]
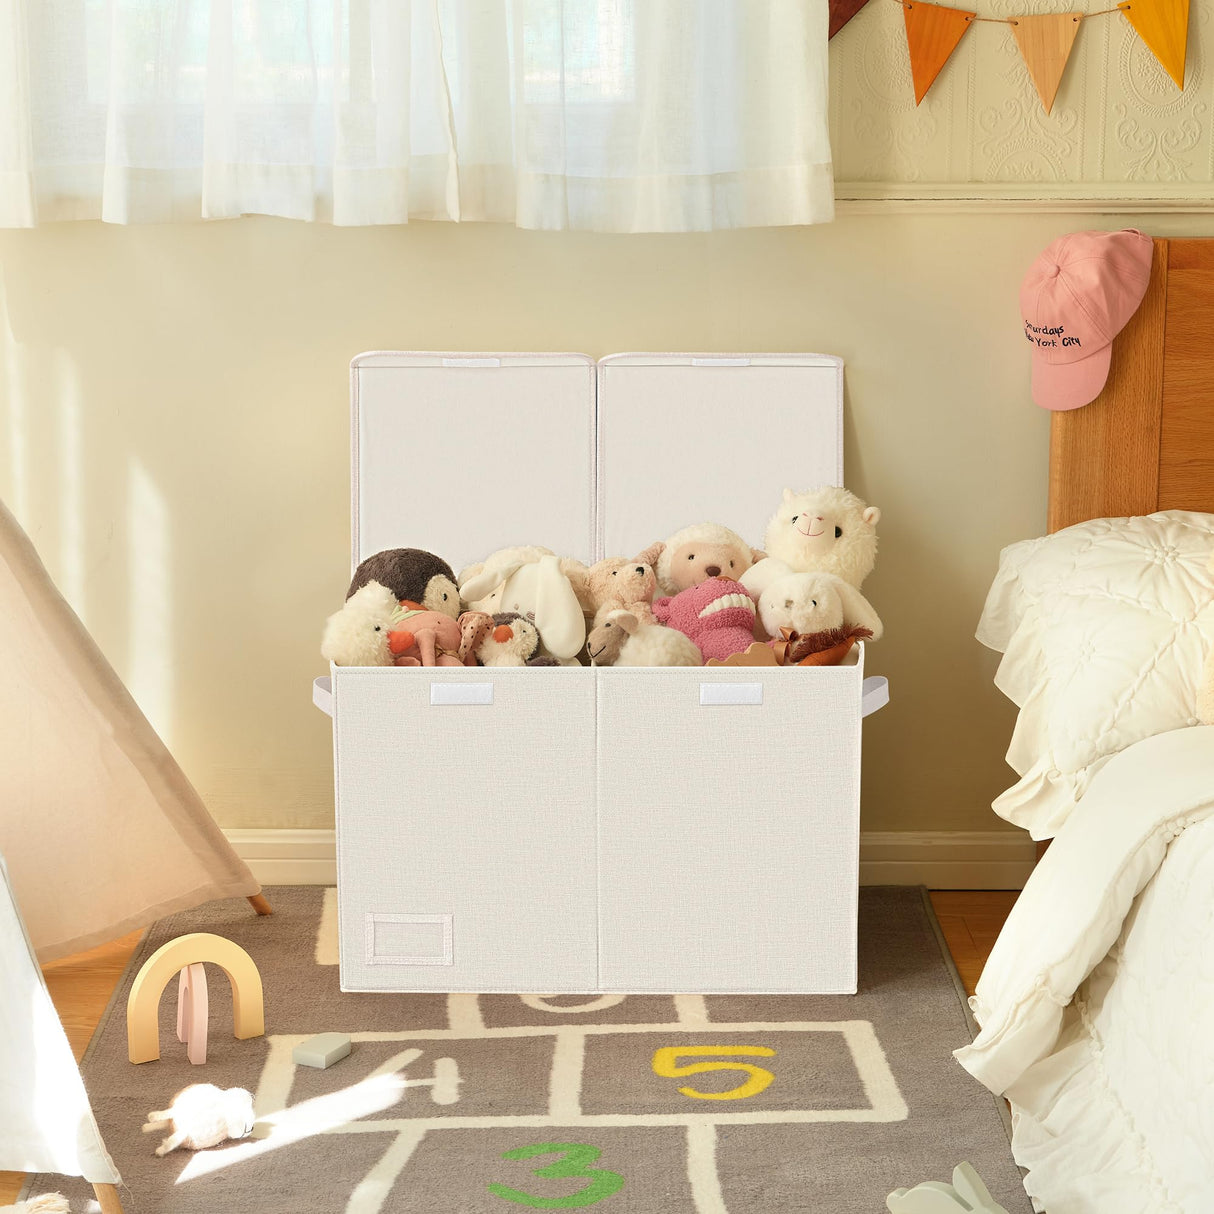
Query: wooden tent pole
[{"x": 107, "y": 1197}]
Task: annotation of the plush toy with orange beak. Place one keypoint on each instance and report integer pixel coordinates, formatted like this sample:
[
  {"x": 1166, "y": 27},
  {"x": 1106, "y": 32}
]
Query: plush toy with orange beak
[{"x": 513, "y": 640}]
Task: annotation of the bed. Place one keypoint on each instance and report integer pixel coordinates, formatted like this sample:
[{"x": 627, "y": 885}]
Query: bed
[{"x": 1097, "y": 1004}]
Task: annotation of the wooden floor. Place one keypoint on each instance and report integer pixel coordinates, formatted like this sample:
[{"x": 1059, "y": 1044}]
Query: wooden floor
[{"x": 81, "y": 986}]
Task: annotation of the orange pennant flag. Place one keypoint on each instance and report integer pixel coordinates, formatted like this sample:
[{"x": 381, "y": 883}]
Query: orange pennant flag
[
  {"x": 1164, "y": 26},
  {"x": 1045, "y": 41},
  {"x": 932, "y": 34}
]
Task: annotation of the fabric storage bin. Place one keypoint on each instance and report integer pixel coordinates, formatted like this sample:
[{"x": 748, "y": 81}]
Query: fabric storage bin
[{"x": 578, "y": 830}]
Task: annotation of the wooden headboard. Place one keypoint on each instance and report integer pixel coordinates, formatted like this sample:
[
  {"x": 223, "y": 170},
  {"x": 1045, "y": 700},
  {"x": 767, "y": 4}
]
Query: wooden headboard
[{"x": 1146, "y": 442}]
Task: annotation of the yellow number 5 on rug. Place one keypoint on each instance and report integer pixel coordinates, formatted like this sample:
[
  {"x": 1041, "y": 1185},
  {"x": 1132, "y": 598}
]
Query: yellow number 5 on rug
[{"x": 666, "y": 1064}]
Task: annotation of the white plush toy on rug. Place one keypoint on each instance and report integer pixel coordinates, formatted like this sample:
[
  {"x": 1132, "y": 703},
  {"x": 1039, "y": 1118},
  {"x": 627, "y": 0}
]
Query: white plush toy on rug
[
  {"x": 827, "y": 530},
  {"x": 201, "y": 1116},
  {"x": 48, "y": 1203},
  {"x": 966, "y": 1195}
]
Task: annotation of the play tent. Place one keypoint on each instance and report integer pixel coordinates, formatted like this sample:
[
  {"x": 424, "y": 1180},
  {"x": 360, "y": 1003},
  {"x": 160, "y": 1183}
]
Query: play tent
[{"x": 100, "y": 828}]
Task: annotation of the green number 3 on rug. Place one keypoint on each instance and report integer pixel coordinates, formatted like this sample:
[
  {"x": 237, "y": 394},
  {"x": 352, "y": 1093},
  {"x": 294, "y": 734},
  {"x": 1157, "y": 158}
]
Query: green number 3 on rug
[{"x": 578, "y": 1157}]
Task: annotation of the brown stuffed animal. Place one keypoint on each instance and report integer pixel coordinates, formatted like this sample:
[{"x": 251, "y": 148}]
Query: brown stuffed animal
[{"x": 618, "y": 584}]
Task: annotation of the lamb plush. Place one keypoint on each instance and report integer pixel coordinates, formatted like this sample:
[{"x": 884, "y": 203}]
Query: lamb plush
[
  {"x": 622, "y": 639},
  {"x": 827, "y": 530},
  {"x": 201, "y": 1116},
  {"x": 618, "y": 584},
  {"x": 534, "y": 582},
  {"x": 718, "y": 615},
  {"x": 815, "y": 602},
  {"x": 357, "y": 635},
  {"x": 413, "y": 575},
  {"x": 48, "y": 1203},
  {"x": 699, "y": 552},
  {"x": 513, "y": 641}
]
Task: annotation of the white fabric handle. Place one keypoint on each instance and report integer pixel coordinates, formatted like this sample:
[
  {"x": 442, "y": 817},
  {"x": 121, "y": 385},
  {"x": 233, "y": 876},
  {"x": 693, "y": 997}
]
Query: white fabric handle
[
  {"x": 874, "y": 694},
  {"x": 322, "y": 695},
  {"x": 461, "y": 693},
  {"x": 731, "y": 693}
]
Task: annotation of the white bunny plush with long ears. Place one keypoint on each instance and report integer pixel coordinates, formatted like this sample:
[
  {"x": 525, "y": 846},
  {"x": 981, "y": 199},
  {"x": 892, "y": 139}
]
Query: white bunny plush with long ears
[{"x": 537, "y": 584}]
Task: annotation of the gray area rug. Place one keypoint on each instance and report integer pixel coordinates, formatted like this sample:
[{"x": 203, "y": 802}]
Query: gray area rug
[{"x": 625, "y": 1105}]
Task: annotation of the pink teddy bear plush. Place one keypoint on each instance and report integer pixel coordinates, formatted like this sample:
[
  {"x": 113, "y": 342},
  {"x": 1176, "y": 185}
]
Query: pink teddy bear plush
[{"x": 718, "y": 615}]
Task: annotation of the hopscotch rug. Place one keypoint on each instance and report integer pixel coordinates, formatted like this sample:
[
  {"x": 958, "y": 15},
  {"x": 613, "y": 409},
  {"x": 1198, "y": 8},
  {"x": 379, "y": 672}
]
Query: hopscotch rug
[{"x": 500, "y": 1104}]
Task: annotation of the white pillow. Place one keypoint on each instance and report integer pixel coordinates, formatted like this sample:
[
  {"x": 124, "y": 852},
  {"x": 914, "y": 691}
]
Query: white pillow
[{"x": 1104, "y": 629}]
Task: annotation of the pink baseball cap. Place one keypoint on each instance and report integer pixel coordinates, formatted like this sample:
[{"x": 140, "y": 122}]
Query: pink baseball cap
[{"x": 1075, "y": 299}]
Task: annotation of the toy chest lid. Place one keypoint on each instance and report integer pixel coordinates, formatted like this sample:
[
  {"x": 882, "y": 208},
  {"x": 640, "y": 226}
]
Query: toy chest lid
[
  {"x": 686, "y": 438},
  {"x": 463, "y": 454}
]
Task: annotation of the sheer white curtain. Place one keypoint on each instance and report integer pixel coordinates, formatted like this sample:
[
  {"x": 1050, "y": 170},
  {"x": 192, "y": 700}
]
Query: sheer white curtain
[{"x": 612, "y": 115}]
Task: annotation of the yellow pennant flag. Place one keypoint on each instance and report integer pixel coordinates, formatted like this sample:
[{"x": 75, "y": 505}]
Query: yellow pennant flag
[
  {"x": 932, "y": 34},
  {"x": 1045, "y": 41},
  {"x": 1164, "y": 26}
]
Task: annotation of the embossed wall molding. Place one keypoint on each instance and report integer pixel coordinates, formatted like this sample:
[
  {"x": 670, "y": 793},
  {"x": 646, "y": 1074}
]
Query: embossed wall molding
[{"x": 1120, "y": 133}]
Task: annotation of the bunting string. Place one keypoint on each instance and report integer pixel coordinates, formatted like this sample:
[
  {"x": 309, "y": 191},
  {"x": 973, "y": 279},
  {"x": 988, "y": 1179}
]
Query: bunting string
[{"x": 933, "y": 32}]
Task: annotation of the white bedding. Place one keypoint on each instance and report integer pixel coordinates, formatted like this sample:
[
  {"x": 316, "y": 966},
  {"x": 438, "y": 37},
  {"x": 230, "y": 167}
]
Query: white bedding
[{"x": 1097, "y": 1004}]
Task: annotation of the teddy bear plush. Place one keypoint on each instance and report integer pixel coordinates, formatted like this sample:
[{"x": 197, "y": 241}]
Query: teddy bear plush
[
  {"x": 618, "y": 584},
  {"x": 808, "y": 603},
  {"x": 717, "y": 615},
  {"x": 827, "y": 530},
  {"x": 357, "y": 635},
  {"x": 534, "y": 582},
  {"x": 512, "y": 640},
  {"x": 202, "y": 1116},
  {"x": 698, "y": 552},
  {"x": 624, "y": 639},
  {"x": 411, "y": 574}
]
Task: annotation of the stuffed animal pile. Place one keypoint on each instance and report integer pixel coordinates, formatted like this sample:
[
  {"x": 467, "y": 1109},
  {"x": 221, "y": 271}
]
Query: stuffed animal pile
[{"x": 701, "y": 596}]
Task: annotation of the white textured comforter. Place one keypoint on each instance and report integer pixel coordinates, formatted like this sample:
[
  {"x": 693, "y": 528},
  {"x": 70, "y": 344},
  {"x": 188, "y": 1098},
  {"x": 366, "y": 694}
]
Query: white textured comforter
[{"x": 1097, "y": 1004}]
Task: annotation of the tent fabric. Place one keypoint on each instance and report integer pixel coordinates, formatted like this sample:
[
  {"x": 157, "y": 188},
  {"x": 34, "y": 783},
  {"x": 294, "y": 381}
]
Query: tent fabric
[
  {"x": 46, "y": 1124},
  {"x": 101, "y": 829}
]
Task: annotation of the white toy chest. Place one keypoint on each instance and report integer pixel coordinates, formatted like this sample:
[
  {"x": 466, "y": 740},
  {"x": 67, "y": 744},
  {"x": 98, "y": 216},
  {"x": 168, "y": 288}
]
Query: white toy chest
[{"x": 593, "y": 830}]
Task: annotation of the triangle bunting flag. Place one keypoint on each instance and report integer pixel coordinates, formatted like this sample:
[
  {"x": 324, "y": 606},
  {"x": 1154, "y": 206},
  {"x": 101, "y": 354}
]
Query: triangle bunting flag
[
  {"x": 1164, "y": 26},
  {"x": 1045, "y": 41},
  {"x": 932, "y": 34},
  {"x": 841, "y": 12}
]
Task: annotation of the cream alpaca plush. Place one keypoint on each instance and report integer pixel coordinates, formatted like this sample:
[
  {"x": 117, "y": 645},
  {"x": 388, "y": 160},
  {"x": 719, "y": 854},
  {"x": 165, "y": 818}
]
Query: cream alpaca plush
[
  {"x": 534, "y": 582},
  {"x": 815, "y": 602},
  {"x": 827, "y": 530},
  {"x": 1205, "y": 694},
  {"x": 357, "y": 635},
  {"x": 201, "y": 1116},
  {"x": 48, "y": 1203},
  {"x": 696, "y": 553},
  {"x": 618, "y": 584},
  {"x": 623, "y": 640}
]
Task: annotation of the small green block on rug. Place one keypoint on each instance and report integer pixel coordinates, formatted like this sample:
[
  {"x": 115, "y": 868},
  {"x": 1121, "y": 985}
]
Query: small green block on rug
[{"x": 322, "y": 1051}]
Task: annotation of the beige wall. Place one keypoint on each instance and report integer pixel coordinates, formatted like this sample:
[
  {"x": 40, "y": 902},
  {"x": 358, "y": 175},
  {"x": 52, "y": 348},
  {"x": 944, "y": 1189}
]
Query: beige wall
[{"x": 173, "y": 433}]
